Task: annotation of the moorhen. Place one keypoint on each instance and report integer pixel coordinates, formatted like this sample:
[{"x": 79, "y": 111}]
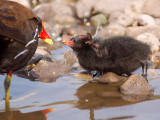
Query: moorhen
[
  {"x": 19, "y": 33},
  {"x": 119, "y": 54}
]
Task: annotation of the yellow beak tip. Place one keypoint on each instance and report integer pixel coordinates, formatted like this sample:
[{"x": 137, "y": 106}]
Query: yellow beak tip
[{"x": 49, "y": 41}]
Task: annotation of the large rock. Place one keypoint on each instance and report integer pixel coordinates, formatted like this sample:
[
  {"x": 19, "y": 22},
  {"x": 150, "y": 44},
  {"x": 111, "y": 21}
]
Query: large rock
[
  {"x": 47, "y": 11},
  {"x": 83, "y": 8},
  {"x": 152, "y": 8},
  {"x": 151, "y": 40},
  {"x": 118, "y": 17},
  {"x": 144, "y": 19},
  {"x": 44, "y": 11},
  {"x": 48, "y": 70},
  {"x": 108, "y": 6},
  {"x": 135, "y": 8},
  {"x": 135, "y": 31},
  {"x": 66, "y": 21},
  {"x": 136, "y": 85},
  {"x": 112, "y": 30}
]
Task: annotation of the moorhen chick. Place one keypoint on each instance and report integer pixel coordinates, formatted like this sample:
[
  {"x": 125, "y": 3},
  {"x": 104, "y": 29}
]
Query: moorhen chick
[
  {"x": 20, "y": 30},
  {"x": 119, "y": 54}
]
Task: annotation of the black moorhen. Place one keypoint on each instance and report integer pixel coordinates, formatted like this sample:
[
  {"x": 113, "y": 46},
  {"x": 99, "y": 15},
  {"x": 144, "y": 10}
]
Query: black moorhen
[
  {"x": 19, "y": 33},
  {"x": 119, "y": 54}
]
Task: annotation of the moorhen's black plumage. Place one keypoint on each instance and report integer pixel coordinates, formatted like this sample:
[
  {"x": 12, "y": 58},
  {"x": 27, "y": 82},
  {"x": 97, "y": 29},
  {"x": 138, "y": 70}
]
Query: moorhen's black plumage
[
  {"x": 19, "y": 33},
  {"x": 120, "y": 54}
]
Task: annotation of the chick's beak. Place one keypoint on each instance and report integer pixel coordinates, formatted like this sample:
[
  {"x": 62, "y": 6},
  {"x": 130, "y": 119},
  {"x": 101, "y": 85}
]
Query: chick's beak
[
  {"x": 69, "y": 43},
  {"x": 44, "y": 36}
]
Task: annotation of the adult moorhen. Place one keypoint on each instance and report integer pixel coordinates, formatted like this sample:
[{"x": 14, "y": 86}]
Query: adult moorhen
[
  {"x": 19, "y": 33},
  {"x": 119, "y": 54}
]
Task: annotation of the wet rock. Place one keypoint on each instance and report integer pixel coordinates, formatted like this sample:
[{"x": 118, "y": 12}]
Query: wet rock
[
  {"x": 152, "y": 8},
  {"x": 111, "y": 78},
  {"x": 135, "y": 31},
  {"x": 112, "y": 30},
  {"x": 23, "y": 2},
  {"x": 151, "y": 40},
  {"x": 40, "y": 53},
  {"x": 65, "y": 20},
  {"x": 48, "y": 70},
  {"x": 83, "y": 8},
  {"x": 99, "y": 19},
  {"x": 136, "y": 85},
  {"x": 144, "y": 19},
  {"x": 108, "y": 6},
  {"x": 70, "y": 59},
  {"x": 118, "y": 17},
  {"x": 135, "y": 8}
]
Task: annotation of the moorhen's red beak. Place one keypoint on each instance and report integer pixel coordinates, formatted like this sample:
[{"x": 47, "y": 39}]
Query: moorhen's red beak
[
  {"x": 69, "y": 42},
  {"x": 44, "y": 36}
]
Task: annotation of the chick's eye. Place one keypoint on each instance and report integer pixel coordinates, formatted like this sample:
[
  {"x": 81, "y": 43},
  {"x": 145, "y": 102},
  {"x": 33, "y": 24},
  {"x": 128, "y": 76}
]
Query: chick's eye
[{"x": 76, "y": 39}]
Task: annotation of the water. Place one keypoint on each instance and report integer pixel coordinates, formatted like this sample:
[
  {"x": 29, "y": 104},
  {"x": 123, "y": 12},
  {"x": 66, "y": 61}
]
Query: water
[{"x": 74, "y": 98}]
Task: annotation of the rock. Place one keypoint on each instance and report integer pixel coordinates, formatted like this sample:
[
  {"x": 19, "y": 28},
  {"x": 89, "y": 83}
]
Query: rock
[
  {"x": 112, "y": 30},
  {"x": 118, "y": 17},
  {"x": 44, "y": 11},
  {"x": 151, "y": 7},
  {"x": 110, "y": 77},
  {"x": 23, "y": 2},
  {"x": 47, "y": 11},
  {"x": 151, "y": 40},
  {"x": 144, "y": 19},
  {"x": 40, "y": 53},
  {"x": 135, "y": 31},
  {"x": 53, "y": 30},
  {"x": 136, "y": 85},
  {"x": 135, "y": 8},
  {"x": 108, "y": 6},
  {"x": 80, "y": 30},
  {"x": 157, "y": 21},
  {"x": 48, "y": 70},
  {"x": 99, "y": 20},
  {"x": 83, "y": 8},
  {"x": 155, "y": 58},
  {"x": 65, "y": 20},
  {"x": 70, "y": 59}
]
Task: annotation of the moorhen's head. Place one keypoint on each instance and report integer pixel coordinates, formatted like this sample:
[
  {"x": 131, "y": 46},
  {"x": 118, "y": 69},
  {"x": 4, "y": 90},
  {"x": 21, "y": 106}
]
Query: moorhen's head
[
  {"x": 42, "y": 33},
  {"x": 79, "y": 41}
]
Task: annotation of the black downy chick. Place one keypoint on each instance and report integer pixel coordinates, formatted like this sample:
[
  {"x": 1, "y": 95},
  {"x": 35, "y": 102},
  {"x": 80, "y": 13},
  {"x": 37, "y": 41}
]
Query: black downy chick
[{"x": 120, "y": 54}]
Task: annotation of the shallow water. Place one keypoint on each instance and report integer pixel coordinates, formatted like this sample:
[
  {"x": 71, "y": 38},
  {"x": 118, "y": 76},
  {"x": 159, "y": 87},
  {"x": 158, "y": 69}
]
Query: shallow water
[{"x": 71, "y": 97}]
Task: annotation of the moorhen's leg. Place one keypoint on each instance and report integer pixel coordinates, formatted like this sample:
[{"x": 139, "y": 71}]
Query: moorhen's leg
[
  {"x": 7, "y": 84},
  {"x": 144, "y": 65}
]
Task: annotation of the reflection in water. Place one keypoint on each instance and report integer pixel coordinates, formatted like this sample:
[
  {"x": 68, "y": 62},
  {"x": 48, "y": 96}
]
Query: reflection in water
[
  {"x": 17, "y": 115},
  {"x": 96, "y": 96}
]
